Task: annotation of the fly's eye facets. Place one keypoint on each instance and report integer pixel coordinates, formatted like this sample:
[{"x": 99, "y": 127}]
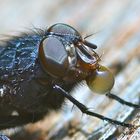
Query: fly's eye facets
[
  {"x": 53, "y": 57},
  {"x": 101, "y": 81}
]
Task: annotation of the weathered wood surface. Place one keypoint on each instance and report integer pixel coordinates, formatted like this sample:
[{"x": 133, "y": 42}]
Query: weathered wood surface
[{"x": 116, "y": 25}]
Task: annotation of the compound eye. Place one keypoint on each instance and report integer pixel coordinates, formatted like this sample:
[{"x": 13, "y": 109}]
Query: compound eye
[
  {"x": 61, "y": 29},
  {"x": 53, "y": 57},
  {"x": 101, "y": 81}
]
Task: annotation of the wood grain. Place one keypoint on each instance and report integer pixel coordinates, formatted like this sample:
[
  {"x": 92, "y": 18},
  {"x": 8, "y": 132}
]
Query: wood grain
[{"x": 116, "y": 25}]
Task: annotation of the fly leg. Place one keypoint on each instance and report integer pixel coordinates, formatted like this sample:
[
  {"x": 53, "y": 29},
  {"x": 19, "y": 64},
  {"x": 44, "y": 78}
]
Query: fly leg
[
  {"x": 122, "y": 101},
  {"x": 85, "y": 110}
]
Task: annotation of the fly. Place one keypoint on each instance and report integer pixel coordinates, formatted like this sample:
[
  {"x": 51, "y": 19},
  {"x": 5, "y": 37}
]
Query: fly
[{"x": 38, "y": 70}]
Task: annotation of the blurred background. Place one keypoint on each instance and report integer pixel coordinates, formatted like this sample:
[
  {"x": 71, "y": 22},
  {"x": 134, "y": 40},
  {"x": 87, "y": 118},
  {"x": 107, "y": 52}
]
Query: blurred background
[{"x": 116, "y": 28}]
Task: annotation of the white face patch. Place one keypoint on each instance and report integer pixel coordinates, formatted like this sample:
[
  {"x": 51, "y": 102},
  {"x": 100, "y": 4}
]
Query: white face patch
[{"x": 72, "y": 55}]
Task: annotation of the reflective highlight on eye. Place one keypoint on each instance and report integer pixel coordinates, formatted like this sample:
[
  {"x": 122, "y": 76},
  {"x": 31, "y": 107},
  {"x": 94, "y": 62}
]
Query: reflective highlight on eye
[{"x": 101, "y": 81}]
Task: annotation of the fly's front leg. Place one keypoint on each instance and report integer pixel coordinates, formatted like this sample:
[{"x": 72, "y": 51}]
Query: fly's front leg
[{"x": 85, "y": 110}]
